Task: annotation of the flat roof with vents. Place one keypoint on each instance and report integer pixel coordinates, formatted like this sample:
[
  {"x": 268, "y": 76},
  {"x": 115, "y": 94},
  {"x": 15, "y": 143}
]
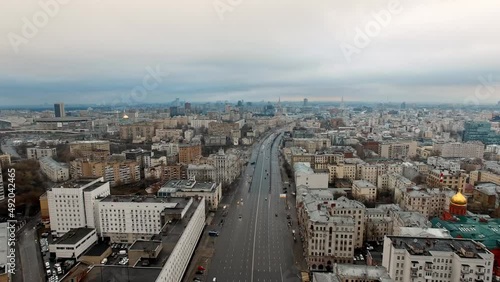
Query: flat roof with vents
[{"x": 74, "y": 236}]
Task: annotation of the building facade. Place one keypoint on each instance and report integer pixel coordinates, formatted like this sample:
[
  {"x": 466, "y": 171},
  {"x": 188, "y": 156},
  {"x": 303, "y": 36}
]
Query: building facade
[
  {"x": 96, "y": 150},
  {"x": 436, "y": 259},
  {"x": 74, "y": 204},
  {"x": 37, "y": 153},
  {"x": 55, "y": 171}
]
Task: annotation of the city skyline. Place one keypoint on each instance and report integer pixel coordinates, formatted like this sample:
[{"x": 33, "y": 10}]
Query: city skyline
[{"x": 371, "y": 52}]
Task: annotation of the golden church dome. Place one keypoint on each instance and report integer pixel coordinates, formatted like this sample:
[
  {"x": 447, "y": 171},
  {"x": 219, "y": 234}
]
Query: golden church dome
[{"x": 459, "y": 199}]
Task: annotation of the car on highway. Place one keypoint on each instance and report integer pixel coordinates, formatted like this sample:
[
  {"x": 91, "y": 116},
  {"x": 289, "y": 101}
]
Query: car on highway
[
  {"x": 213, "y": 233},
  {"x": 266, "y": 199}
]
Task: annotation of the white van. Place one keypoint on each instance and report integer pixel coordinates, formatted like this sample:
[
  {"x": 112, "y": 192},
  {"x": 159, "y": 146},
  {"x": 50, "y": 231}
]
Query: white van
[{"x": 122, "y": 252}]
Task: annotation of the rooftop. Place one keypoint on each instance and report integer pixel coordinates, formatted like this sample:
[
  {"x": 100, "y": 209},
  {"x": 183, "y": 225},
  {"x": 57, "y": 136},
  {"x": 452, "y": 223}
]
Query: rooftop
[
  {"x": 351, "y": 271},
  {"x": 483, "y": 230},
  {"x": 88, "y": 184},
  {"x": 423, "y": 246},
  {"x": 90, "y": 142},
  {"x": 73, "y": 236},
  {"x": 488, "y": 188},
  {"x": 173, "y": 186},
  {"x": 145, "y": 245},
  {"x": 171, "y": 203},
  {"x": 62, "y": 119}
]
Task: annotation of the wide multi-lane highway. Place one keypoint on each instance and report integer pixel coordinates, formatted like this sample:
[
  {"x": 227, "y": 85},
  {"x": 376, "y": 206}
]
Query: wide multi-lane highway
[{"x": 255, "y": 241}]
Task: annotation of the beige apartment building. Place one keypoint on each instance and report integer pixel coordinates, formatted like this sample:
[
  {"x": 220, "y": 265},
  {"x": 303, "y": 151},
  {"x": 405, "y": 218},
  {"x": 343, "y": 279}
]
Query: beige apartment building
[
  {"x": 116, "y": 173},
  {"x": 364, "y": 190},
  {"x": 484, "y": 176},
  {"x": 453, "y": 180},
  {"x": 91, "y": 150},
  {"x": 398, "y": 150},
  {"x": 428, "y": 201},
  {"x": 189, "y": 153},
  {"x": 137, "y": 131}
]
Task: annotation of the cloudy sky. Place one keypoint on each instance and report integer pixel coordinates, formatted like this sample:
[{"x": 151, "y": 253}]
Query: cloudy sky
[{"x": 105, "y": 51}]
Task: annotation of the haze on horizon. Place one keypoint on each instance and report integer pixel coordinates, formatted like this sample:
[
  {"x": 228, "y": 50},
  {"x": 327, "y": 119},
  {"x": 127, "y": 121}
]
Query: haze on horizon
[{"x": 98, "y": 51}]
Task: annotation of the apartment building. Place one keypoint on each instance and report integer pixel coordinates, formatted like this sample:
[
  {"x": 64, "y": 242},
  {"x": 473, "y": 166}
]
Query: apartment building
[
  {"x": 36, "y": 153},
  {"x": 198, "y": 123},
  {"x": 342, "y": 171},
  {"x": 398, "y": 149},
  {"x": 222, "y": 128},
  {"x": 95, "y": 150},
  {"x": 484, "y": 176},
  {"x": 368, "y": 172},
  {"x": 423, "y": 259},
  {"x": 211, "y": 191},
  {"x": 364, "y": 190},
  {"x": 116, "y": 172},
  {"x": 305, "y": 175},
  {"x": 452, "y": 165},
  {"x": 378, "y": 223},
  {"x": 428, "y": 201},
  {"x": 171, "y": 134},
  {"x": 202, "y": 172},
  {"x": 189, "y": 153},
  {"x": 446, "y": 178},
  {"x": 74, "y": 204},
  {"x": 340, "y": 207},
  {"x": 463, "y": 150},
  {"x": 328, "y": 238},
  {"x": 55, "y": 171},
  {"x": 119, "y": 173},
  {"x": 393, "y": 181},
  {"x": 137, "y": 131}
]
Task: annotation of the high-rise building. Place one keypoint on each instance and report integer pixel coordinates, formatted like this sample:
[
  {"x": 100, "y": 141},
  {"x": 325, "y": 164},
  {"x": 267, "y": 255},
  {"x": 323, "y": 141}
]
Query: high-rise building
[
  {"x": 74, "y": 204},
  {"x": 305, "y": 102},
  {"x": 480, "y": 131},
  {"x": 59, "y": 110}
]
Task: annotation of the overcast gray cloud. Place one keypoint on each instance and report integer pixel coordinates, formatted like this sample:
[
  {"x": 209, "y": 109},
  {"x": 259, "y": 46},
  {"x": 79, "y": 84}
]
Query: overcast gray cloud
[{"x": 94, "y": 51}]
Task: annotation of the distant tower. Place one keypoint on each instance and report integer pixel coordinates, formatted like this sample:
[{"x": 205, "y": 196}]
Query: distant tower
[
  {"x": 59, "y": 110},
  {"x": 342, "y": 104},
  {"x": 305, "y": 102}
]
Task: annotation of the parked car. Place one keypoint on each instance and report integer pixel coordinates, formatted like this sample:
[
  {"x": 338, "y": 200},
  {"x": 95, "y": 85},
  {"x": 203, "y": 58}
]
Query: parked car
[{"x": 47, "y": 265}]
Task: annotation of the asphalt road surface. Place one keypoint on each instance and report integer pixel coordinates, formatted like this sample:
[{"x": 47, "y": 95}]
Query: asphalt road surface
[
  {"x": 255, "y": 241},
  {"x": 31, "y": 268}
]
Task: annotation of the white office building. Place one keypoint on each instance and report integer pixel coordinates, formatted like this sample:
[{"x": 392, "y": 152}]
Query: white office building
[
  {"x": 177, "y": 262},
  {"x": 422, "y": 259},
  {"x": 74, "y": 243},
  {"x": 74, "y": 204}
]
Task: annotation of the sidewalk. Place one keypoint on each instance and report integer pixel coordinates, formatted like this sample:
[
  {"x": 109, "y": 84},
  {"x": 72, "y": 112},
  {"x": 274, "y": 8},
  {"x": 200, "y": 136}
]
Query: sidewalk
[{"x": 298, "y": 250}]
